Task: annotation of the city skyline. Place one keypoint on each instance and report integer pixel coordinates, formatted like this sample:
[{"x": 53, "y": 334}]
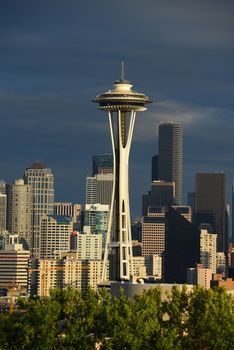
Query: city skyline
[{"x": 53, "y": 63}]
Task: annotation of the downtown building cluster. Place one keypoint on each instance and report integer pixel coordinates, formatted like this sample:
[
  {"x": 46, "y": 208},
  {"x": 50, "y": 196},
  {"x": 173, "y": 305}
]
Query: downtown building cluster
[{"x": 46, "y": 244}]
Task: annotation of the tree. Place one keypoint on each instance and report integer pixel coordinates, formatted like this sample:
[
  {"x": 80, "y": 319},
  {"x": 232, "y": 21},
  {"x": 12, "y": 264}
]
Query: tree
[
  {"x": 68, "y": 319},
  {"x": 210, "y": 322}
]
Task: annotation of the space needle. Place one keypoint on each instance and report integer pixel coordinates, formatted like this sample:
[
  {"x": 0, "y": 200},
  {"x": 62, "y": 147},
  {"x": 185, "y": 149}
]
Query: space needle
[{"x": 121, "y": 104}]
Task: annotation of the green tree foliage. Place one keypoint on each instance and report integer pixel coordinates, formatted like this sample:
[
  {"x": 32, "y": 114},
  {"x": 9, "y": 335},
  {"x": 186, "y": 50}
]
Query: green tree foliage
[{"x": 68, "y": 319}]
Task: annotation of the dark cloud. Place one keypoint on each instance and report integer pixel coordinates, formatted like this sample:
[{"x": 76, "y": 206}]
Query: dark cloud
[{"x": 55, "y": 57}]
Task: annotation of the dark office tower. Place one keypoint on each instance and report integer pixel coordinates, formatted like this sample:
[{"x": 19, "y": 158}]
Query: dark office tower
[
  {"x": 42, "y": 181},
  {"x": 102, "y": 164},
  {"x": 154, "y": 168},
  {"x": 191, "y": 198},
  {"x": 162, "y": 193},
  {"x": 182, "y": 246},
  {"x": 170, "y": 156},
  {"x": 211, "y": 204}
]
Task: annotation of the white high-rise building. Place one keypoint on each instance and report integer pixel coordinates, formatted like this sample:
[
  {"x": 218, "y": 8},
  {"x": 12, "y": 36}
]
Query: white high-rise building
[
  {"x": 14, "y": 264},
  {"x": 55, "y": 232},
  {"x": 42, "y": 181},
  {"x": 19, "y": 211},
  {"x": 89, "y": 246},
  {"x": 208, "y": 249}
]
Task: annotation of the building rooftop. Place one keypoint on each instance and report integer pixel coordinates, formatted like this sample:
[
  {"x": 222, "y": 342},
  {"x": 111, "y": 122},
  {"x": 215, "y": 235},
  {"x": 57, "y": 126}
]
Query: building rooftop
[{"x": 37, "y": 165}]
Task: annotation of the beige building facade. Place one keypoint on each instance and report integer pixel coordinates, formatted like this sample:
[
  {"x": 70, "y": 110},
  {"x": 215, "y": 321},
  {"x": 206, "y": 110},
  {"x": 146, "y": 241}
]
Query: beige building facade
[{"x": 19, "y": 212}]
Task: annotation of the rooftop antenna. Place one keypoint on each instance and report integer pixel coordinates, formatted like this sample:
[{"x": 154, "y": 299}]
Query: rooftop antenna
[{"x": 122, "y": 72}]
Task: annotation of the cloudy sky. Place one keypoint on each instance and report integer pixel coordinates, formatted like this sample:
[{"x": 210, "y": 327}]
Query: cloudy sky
[{"x": 55, "y": 56}]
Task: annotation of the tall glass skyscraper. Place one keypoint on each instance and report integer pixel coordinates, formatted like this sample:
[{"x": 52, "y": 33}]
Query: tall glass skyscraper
[
  {"x": 42, "y": 181},
  {"x": 170, "y": 156}
]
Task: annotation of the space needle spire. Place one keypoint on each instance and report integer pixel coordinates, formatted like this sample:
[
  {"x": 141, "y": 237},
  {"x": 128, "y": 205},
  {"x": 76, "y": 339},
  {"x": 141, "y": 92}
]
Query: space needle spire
[{"x": 121, "y": 104}]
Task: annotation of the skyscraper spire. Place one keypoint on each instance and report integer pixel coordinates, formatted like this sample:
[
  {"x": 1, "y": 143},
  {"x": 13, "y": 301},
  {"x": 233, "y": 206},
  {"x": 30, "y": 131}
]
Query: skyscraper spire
[{"x": 122, "y": 71}]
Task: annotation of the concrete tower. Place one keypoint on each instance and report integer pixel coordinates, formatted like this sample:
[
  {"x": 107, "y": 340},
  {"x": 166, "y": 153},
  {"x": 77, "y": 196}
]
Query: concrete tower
[
  {"x": 19, "y": 211},
  {"x": 170, "y": 156},
  {"x": 42, "y": 181},
  {"x": 121, "y": 103}
]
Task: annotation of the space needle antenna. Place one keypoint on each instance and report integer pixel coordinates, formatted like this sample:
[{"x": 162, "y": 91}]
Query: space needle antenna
[{"x": 122, "y": 71}]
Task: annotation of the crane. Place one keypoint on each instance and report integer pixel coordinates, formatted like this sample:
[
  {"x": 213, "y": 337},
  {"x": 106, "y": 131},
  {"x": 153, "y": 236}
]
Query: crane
[{"x": 11, "y": 288}]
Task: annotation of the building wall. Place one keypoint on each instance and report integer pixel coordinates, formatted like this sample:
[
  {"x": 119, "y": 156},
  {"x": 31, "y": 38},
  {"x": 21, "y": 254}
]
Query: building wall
[
  {"x": 3, "y": 211},
  {"x": 68, "y": 271},
  {"x": 220, "y": 262},
  {"x": 170, "y": 156},
  {"x": 89, "y": 246},
  {"x": 99, "y": 189},
  {"x": 211, "y": 204},
  {"x": 14, "y": 264},
  {"x": 55, "y": 232},
  {"x": 208, "y": 250},
  {"x": 182, "y": 247},
  {"x": 69, "y": 209},
  {"x": 153, "y": 236},
  {"x": 19, "y": 212},
  {"x": 102, "y": 164},
  {"x": 42, "y": 181},
  {"x": 199, "y": 276},
  {"x": 97, "y": 218}
]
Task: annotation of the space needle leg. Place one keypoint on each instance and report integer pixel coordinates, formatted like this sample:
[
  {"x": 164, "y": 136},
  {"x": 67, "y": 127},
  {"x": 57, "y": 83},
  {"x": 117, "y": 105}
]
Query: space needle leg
[{"x": 110, "y": 223}]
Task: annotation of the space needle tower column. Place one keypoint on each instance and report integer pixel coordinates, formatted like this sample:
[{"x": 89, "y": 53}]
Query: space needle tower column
[{"x": 121, "y": 103}]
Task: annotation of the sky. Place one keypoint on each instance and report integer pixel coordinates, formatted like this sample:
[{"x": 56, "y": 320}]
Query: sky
[{"x": 56, "y": 56}]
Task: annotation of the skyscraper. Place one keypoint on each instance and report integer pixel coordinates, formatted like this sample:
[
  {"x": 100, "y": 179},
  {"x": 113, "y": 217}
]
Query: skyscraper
[
  {"x": 182, "y": 245},
  {"x": 3, "y": 205},
  {"x": 99, "y": 188},
  {"x": 55, "y": 232},
  {"x": 121, "y": 103},
  {"x": 211, "y": 204},
  {"x": 162, "y": 193},
  {"x": 170, "y": 156},
  {"x": 208, "y": 243},
  {"x": 102, "y": 164},
  {"x": 14, "y": 264},
  {"x": 154, "y": 168},
  {"x": 97, "y": 218},
  {"x": 3, "y": 211},
  {"x": 42, "y": 181},
  {"x": 19, "y": 211},
  {"x": 70, "y": 209}
]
